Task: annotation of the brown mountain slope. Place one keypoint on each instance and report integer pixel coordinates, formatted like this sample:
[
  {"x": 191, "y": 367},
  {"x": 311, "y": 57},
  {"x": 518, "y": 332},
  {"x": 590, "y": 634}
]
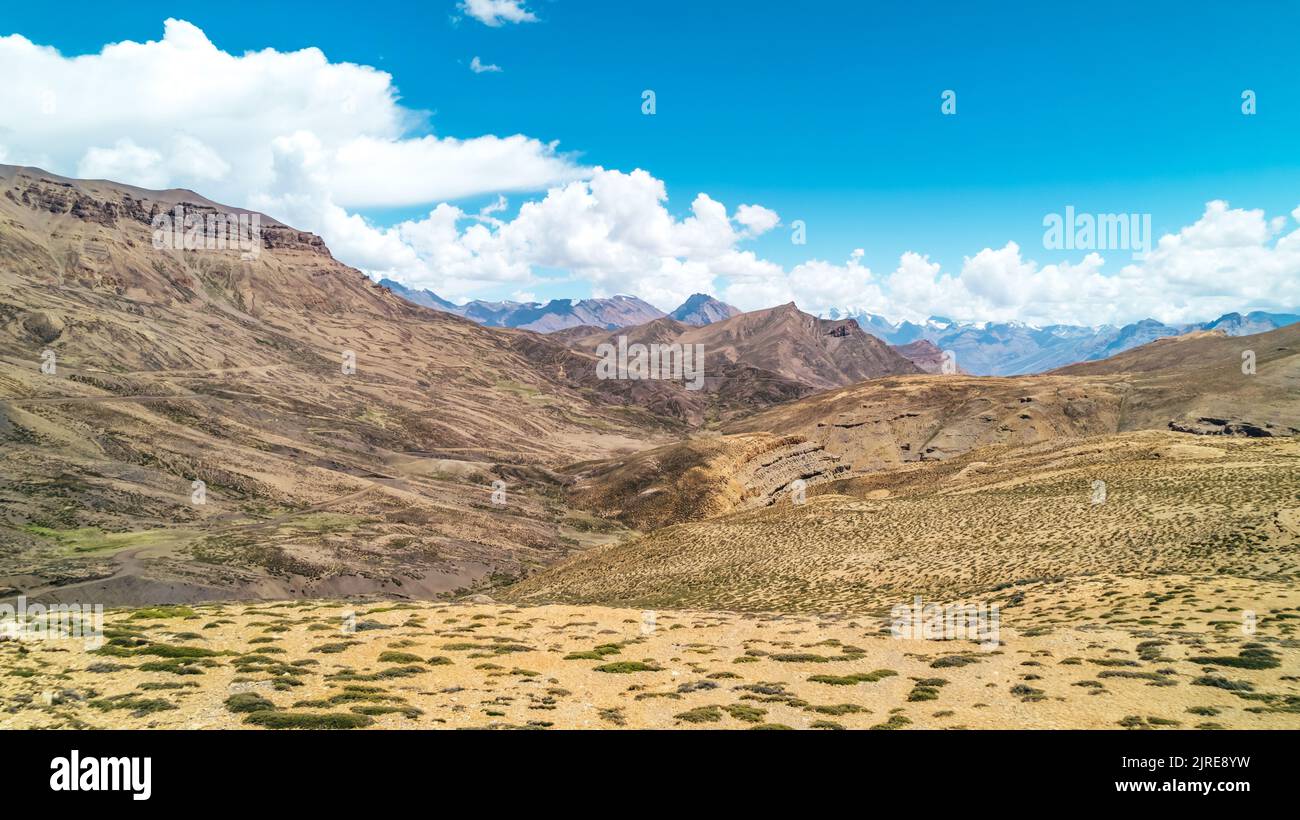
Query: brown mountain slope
[
  {"x": 701, "y": 477},
  {"x": 176, "y": 366},
  {"x": 1182, "y": 384},
  {"x": 757, "y": 359},
  {"x": 790, "y": 343},
  {"x": 967, "y": 529},
  {"x": 877, "y": 425},
  {"x": 923, "y": 353},
  {"x": 731, "y": 386},
  {"x": 887, "y": 423},
  {"x": 1200, "y": 383},
  {"x": 1169, "y": 353},
  {"x": 884, "y": 423}
]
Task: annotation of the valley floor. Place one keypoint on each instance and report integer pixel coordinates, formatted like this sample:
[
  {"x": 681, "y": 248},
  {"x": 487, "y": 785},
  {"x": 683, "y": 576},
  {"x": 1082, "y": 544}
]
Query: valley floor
[{"x": 1095, "y": 652}]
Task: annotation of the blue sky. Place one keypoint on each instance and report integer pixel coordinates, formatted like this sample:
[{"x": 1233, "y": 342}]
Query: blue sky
[{"x": 826, "y": 112}]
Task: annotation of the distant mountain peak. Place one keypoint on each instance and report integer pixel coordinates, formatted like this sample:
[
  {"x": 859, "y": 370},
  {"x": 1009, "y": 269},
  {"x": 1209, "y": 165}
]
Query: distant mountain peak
[
  {"x": 703, "y": 309},
  {"x": 1017, "y": 347},
  {"x": 427, "y": 298},
  {"x": 606, "y": 313}
]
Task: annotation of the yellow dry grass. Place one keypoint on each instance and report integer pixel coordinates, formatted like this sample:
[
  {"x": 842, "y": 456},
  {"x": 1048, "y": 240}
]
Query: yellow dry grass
[{"x": 1102, "y": 652}]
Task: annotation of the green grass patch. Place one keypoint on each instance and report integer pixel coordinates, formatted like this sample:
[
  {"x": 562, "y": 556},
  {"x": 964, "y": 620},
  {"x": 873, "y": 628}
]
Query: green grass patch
[{"x": 93, "y": 539}]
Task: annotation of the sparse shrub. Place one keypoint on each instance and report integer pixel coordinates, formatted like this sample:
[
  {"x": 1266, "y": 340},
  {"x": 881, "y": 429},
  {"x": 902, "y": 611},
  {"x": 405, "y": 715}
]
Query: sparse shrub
[
  {"x": 625, "y": 667},
  {"x": 742, "y": 712},
  {"x": 1224, "y": 683},
  {"x": 700, "y": 714},
  {"x": 308, "y": 720},
  {"x": 248, "y": 702},
  {"x": 139, "y": 707},
  {"x": 894, "y": 722},
  {"x": 850, "y": 680}
]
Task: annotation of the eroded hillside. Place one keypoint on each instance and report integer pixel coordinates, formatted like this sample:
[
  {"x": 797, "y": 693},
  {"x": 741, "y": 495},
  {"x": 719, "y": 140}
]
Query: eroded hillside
[
  {"x": 347, "y": 441},
  {"x": 968, "y": 526}
]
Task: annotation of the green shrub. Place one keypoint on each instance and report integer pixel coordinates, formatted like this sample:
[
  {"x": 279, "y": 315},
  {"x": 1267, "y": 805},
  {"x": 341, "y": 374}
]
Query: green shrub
[
  {"x": 248, "y": 702},
  {"x": 308, "y": 720}
]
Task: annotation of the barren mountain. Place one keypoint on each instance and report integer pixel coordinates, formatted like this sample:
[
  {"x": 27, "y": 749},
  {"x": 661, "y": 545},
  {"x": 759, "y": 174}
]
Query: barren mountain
[
  {"x": 699, "y": 478},
  {"x": 1207, "y": 382},
  {"x": 753, "y": 360},
  {"x": 561, "y": 314},
  {"x": 557, "y": 314},
  {"x": 346, "y": 440},
  {"x": 702, "y": 309},
  {"x": 1257, "y": 321},
  {"x": 1191, "y": 384},
  {"x": 923, "y": 353},
  {"x": 786, "y": 341},
  {"x": 543, "y": 317},
  {"x": 1169, "y": 384},
  {"x": 1016, "y": 348},
  {"x": 781, "y": 343}
]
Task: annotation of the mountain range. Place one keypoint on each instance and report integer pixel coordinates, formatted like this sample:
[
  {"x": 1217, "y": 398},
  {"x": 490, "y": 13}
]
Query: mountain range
[
  {"x": 171, "y": 367},
  {"x": 1016, "y": 348},
  {"x": 978, "y": 348},
  {"x": 608, "y": 313}
]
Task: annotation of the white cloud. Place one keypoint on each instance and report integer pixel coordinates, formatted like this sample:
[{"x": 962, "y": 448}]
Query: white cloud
[
  {"x": 125, "y": 161},
  {"x": 479, "y": 67},
  {"x": 1228, "y": 260},
  {"x": 757, "y": 219},
  {"x": 368, "y": 172},
  {"x": 612, "y": 231},
  {"x": 181, "y": 112},
  {"x": 495, "y": 12}
]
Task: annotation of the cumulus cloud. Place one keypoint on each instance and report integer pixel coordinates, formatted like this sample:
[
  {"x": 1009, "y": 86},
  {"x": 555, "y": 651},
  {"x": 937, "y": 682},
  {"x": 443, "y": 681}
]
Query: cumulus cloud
[
  {"x": 1230, "y": 259},
  {"x": 613, "y": 231},
  {"x": 757, "y": 219},
  {"x": 181, "y": 112},
  {"x": 479, "y": 67},
  {"x": 497, "y": 12}
]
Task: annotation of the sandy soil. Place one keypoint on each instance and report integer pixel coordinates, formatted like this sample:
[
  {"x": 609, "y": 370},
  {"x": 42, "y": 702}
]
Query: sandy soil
[{"x": 1096, "y": 653}]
